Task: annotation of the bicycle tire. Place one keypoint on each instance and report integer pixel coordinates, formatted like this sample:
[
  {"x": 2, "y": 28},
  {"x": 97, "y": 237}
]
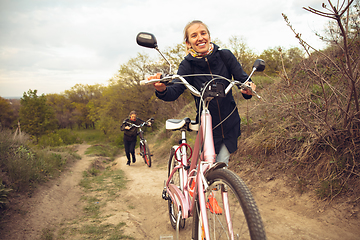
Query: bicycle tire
[
  {"x": 173, "y": 212},
  {"x": 245, "y": 216},
  {"x": 142, "y": 151},
  {"x": 147, "y": 154}
]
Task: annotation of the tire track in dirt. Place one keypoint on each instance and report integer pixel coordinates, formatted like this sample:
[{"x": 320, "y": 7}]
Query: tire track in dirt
[{"x": 148, "y": 213}]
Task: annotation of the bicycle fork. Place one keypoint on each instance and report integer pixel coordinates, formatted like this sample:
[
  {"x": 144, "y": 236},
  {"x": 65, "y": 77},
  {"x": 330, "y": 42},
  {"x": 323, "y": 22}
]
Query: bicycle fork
[
  {"x": 141, "y": 143},
  {"x": 204, "y": 187}
]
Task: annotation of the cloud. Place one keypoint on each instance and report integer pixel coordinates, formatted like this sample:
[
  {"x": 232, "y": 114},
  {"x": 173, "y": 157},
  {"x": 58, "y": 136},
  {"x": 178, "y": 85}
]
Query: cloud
[{"x": 53, "y": 45}]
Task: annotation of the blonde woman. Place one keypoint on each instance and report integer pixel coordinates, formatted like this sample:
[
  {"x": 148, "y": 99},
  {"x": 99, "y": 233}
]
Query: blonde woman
[{"x": 206, "y": 57}]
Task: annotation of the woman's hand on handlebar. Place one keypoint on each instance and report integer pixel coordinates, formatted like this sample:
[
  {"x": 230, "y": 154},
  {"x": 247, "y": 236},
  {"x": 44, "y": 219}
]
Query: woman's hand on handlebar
[
  {"x": 248, "y": 91},
  {"x": 159, "y": 86}
]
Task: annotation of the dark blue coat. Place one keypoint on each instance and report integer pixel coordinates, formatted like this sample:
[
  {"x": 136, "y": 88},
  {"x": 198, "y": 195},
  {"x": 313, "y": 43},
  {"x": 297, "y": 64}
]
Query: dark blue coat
[{"x": 229, "y": 131}]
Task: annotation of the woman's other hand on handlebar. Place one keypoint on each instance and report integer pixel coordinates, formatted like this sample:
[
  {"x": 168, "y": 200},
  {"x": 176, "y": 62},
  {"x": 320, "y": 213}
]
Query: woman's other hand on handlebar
[
  {"x": 160, "y": 87},
  {"x": 247, "y": 91},
  {"x": 127, "y": 127}
]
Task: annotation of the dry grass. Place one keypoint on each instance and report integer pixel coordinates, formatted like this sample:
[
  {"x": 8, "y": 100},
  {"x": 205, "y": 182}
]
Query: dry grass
[{"x": 276, "y": 142}]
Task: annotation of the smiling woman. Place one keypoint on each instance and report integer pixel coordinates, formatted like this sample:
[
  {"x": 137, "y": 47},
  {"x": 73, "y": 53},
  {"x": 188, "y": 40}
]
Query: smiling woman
[{"x": 206, "y": 57}]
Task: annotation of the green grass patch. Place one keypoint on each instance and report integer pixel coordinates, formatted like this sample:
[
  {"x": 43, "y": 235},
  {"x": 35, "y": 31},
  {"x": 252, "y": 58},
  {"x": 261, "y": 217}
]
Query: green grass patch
[
  {"x": 104, "y": 231},
  {"x": 60, "y": 137},
  {"x": 100, "y": 188},
  {"x": 47, "y": 234},
  {"x": 25, "y": 165},
  {"x": 107, "y": 180},
  {"x": 104, "y": 150},
  {"x": 92, "y": 136}
]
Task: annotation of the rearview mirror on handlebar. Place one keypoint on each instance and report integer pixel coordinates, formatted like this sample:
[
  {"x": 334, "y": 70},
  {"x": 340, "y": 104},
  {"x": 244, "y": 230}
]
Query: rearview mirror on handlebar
[
  {"x": 259, "y": 64},
  {"x": 145, "y": 39},
  {"x": 148, "y": 40}
]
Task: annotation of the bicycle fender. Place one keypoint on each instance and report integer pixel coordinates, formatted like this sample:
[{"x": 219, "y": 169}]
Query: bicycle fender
[
  {"x": 214, "y": 167},
  {"x": 177, "y": 195}
]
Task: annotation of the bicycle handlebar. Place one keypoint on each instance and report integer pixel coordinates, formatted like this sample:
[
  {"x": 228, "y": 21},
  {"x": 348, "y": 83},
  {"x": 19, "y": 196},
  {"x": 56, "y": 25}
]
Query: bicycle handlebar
[
  {"x": 141, "y": 125},
  {"x": 196, "y": 92}
]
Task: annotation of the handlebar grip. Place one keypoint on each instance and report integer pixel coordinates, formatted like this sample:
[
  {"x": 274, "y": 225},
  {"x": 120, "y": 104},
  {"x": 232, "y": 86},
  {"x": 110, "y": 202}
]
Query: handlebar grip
[
  {"x": 144, "y": 82},
  {"x": 148, "y": 81}
]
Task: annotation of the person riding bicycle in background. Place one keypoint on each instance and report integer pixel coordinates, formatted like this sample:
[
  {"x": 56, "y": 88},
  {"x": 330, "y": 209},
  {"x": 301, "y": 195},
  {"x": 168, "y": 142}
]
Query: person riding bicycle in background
[
  {"x": 205, "y": 57},
  {"x": 130, "y": 135}
]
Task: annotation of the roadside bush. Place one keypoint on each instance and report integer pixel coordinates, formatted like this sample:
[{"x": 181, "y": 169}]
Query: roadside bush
[
  {"x": 119, "y": 141},
  {"x": 22, "y": 166},
  {"x": 59, "y": 138},
  {"x": 3, "y": 194}
]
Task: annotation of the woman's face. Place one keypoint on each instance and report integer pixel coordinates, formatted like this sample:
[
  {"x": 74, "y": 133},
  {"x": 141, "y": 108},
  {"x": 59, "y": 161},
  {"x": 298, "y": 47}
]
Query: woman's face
[
  {"x": 133, "y": 117},
  {"x": 198, "y": 38}
]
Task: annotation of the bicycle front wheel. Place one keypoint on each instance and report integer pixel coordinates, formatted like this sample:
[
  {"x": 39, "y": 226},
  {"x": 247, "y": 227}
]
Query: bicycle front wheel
[
  {"x": 142, "y": 150},
  {"x": 147, "y": 154},
  {"x": 176, "y": 180},
  {"x": 230, "y": 208}
]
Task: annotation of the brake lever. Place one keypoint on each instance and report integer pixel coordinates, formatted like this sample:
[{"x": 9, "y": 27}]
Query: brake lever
[
  {"x": 166, "y": 82},
  {"x": 247, "y": 87}
]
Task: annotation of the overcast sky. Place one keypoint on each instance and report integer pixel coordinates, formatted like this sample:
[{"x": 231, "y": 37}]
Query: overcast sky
[{"x": 51, "y": 45}]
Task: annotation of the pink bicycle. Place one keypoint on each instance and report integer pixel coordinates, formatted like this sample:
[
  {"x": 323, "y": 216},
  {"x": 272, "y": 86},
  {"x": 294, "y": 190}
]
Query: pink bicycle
[{"x": 220, "y": 203}]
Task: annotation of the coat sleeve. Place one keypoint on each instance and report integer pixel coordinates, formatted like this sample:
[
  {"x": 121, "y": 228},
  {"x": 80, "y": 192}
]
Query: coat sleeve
[
  {"x": 123, "y": 125},
  {"x": 173, "y": 91},
  {"x": 236, "y": 69}
]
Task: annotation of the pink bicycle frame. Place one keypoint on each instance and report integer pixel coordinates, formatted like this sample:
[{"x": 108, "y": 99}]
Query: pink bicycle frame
[
  {"x": 181, "y": 199},
  {"x": 205, "y": 139}
]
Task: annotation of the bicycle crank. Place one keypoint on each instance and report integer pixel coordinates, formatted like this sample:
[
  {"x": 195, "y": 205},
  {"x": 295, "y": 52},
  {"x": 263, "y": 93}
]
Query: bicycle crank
[{"x": 165, "y": 196}]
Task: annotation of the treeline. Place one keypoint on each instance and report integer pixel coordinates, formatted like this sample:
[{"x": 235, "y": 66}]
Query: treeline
[{"x": 104, "y": 107}]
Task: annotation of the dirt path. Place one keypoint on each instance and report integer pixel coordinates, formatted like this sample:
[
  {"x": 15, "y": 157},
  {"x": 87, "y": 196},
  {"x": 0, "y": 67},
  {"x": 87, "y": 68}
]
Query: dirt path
[
  {"x": 50, "y": 204},
  {"x": 149, "y": 218},
  {"x": 286, "y": 215}
]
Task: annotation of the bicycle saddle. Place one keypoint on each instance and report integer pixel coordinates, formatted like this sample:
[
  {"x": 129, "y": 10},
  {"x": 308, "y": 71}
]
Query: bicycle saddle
[{"x": 177, "y": 124}]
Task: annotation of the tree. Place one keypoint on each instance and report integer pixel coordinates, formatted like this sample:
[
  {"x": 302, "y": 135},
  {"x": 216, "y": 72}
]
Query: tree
[
  {"x": 175, "y": 55},
  {"x": 323, "y": 99},
  {"x": 273, "y": 61},
  {"x": 62, "y": 109},
  {"x": 336, "y": 71},
  {"x": 242, "y": 53},
  {"x": 36, "y": 117},
  {"x": 345, "y": 33},
  {"x": 7, "y": 115},
  {"x": 79, "y": 96}
]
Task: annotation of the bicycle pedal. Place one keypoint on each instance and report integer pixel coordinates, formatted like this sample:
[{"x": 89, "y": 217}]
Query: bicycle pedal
[{"x": 164, "y": 195}]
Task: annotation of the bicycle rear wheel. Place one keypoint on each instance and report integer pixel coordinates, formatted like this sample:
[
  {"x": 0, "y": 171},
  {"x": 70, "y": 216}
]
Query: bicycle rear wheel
[
  {"x": 173, "y": 211},
  {"x": 229, "y": 191},
  {"x": 147, "y": 154}
]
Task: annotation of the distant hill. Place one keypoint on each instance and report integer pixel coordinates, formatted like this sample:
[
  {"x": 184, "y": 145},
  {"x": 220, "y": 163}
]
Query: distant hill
[{"x": 11, "y": 97}]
